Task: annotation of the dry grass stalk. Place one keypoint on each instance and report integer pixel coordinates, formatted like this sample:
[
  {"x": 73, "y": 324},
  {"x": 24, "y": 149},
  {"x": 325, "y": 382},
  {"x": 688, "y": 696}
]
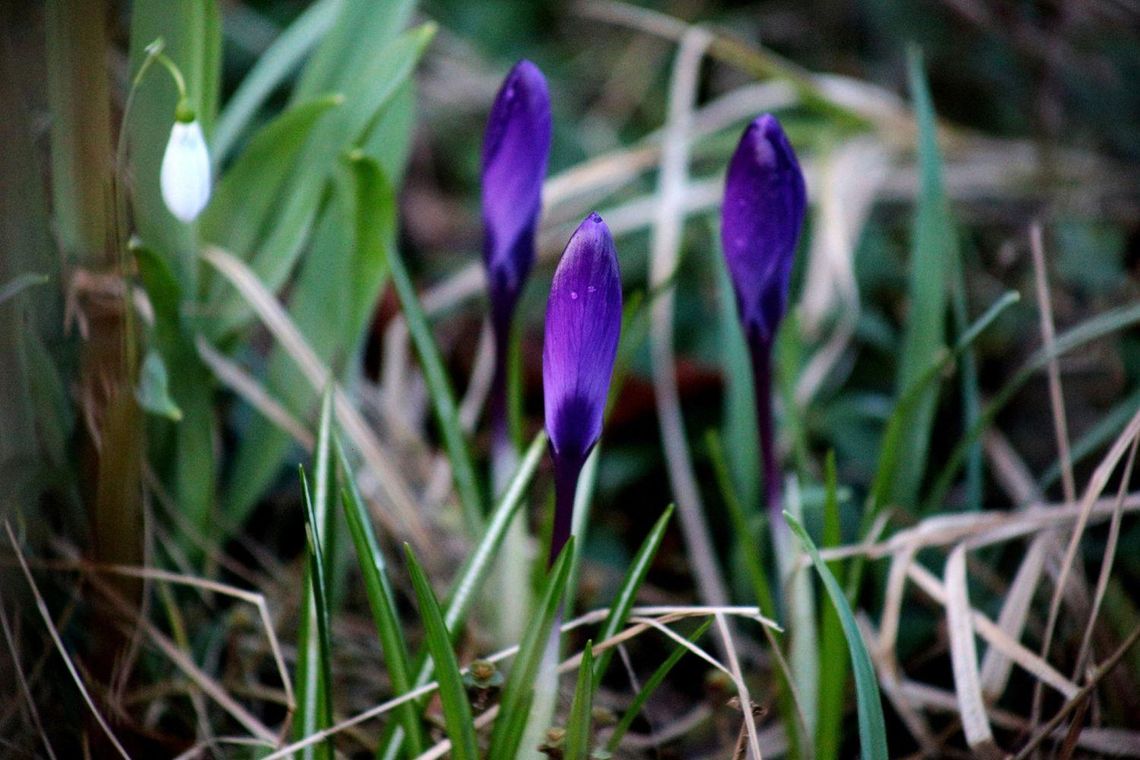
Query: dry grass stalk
[{"x": 45, "y": 614}]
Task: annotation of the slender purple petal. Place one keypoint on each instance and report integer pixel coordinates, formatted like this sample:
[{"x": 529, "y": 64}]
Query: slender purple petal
[
  {"x": 763, "y": 211},
  {"x": 515, "y": 151},
  {"x": 583, "y": 322}
]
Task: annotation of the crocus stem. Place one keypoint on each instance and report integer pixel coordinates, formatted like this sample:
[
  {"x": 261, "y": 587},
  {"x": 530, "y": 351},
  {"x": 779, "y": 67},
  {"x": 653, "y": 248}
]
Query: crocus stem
[
  {"x": 762, "y": 382},
  {"x": 502, "y": 448},
  {"x": 566, "y": 472}
]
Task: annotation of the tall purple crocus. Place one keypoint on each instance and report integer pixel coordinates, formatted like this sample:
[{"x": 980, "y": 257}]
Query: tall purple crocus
[
  {"x": 761, "y": 218},
  {"x": 515, "y": 152},
  {"x": 583, "y": 323}
]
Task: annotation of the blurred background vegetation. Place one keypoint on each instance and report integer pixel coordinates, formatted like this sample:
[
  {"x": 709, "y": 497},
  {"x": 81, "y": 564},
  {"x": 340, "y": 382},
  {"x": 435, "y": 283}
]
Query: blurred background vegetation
[{"x": 350, "y": 138}]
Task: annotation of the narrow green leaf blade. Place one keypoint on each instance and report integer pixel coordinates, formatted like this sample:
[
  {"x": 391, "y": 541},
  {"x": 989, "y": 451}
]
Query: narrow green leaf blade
[
  {"x": 381, "y": 600},
  {"x": 314, "y": 679},
  {"x": 833, "y": 660},
  {"x": 452, "y": 694},
  {"x": 650, "y": 686},
  {"x": 931, "y": 252},
  {"x": 443, "y": 398},
  {"x": 872, "y": 728},
  {"x": 580, "y": 723},
  {"x": 250, "y": 190},
  {"x": 627, "y": 592},
  {"x": 272, "y": 68},
  {"x": 518, "y": 692}
]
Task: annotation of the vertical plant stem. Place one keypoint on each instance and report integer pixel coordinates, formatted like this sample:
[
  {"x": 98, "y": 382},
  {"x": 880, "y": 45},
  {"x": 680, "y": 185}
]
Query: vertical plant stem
[
  {"x": 566, "y": 472},
  {"x": 83, "y": 201},
  {"x": 503, "y": 453},
  {"x": 765, "y": 422}
]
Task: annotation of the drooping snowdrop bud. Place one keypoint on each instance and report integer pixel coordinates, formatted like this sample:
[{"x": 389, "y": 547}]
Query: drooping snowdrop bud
[
  {"x": 763, "y": 211},
  {"x": 515, "y": 152},
  {"x": 583, "y": 323},
  {"x": 185, "y": 177}
]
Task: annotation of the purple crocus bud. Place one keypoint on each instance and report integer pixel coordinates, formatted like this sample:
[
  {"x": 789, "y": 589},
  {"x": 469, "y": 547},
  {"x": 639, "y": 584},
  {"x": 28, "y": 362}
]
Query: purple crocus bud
[
  {"x": 515, "y": 151},
  {"x": 763, "y": 211},
  {"x": 583, "y": 323}
]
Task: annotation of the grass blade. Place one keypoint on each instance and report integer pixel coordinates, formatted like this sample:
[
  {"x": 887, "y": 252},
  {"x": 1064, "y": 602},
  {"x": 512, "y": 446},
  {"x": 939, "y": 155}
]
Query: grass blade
[
  {"x": 443, "y": 398},
  {"x": 833, "y": 660},
  {"x": 627, "y": 592},
  {"x": 1086, "y": 332},
  {"x": 892, "y": 445},
  {"x": 314, "y": 679},
  {"x": 452, "y": 694},
  {"x": 381, "y": 600},
  {"x": 272, "y": 68},
  {"x": 474, "y": 573},
  {"x": 518, "y": 692},
  {"x": 872, "y": 729},
  {"x": 248, "y": 192},
  {"x": 650, "y": 686},
  {"x": 932, "y": 249},
  {"x": 580, "y": 723},
  {"x": 314, "y": 697},
  {"x": 747, "y": 538}
]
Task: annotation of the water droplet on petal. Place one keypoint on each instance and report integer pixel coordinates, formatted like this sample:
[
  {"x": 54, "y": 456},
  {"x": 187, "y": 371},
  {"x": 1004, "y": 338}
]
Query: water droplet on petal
[
  {"x": 573, "y": 295},
  {"x": 591, "y": 289}
]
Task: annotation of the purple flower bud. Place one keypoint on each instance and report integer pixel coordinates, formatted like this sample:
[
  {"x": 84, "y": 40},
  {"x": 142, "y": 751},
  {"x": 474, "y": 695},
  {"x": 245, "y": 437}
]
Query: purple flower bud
[
  {"x": 763, "y": 211},
  {"x": 583, "y": 323},
  {"x": 515, "y": 151}
]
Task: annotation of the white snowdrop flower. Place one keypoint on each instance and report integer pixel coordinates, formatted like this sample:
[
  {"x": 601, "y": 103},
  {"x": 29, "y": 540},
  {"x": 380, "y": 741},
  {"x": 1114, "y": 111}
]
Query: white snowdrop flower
[{"x": 185, "y": 177}]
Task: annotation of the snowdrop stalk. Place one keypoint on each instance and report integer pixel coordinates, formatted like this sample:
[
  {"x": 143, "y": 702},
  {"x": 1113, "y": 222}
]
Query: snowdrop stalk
[
  {"x": 515, "y": 152},
  {"x": 583, "y": 324},
  {"x": 761, "y": 218}
]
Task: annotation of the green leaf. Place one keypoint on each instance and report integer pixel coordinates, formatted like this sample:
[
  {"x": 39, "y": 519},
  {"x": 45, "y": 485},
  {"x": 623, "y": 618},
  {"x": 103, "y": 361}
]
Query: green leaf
[
  {"x": 514, "y": 706},
  {"x": 1086, "y": 332},
  {"x": 248, "y": 192},
  {"x": 272, "y": 68},
  {"x": 452, "y": 694},
  {"x": 650, "y": 686},
  {"x": 372, "y": 88},
  {"x": 579, "y": 726},
  {"x": 746, "y": 536},
  {"x": 314, "y": 695},
  {"x": 361, "y": 28},
  {"x": 833, "y": 660},
  {"x": 346, "y": 265},
  {"x": 971, "y": 405},
  {"x": 893, "y": 444},
  {"x": 739, "y": 416},
  {"x": 381, "y": 600},
  {"x": 872, "y": 728},
  {"x": 933, "y": 249},
  {"x": 153, "y": 393},
  {"x": 191, "y": 461},
  {"x": 314, "y": 679},
  {"x": 627, "y": 592},
  {"x": 442, "y": 396}
]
